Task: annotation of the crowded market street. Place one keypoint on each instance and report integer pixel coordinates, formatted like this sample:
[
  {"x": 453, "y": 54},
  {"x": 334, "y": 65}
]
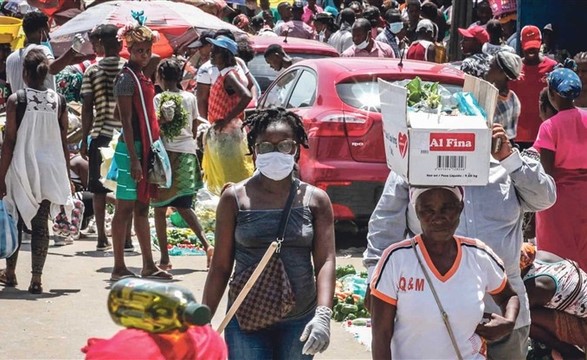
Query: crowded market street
[{"x": 58, "y": 323}]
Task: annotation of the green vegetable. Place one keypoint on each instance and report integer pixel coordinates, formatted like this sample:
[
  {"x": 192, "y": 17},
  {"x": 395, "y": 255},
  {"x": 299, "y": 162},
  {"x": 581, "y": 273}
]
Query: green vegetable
[
  {"x": 338, "y": 307},
  {"x": 351, "y": 316},
  {"x": 364, "y": 275},
  {"x": 363, "y": 313},
  {"x": 360, "y": 322},
  {"x": 335, "y": 301},
  {"x": 345, "y": 270},
  {"x": 348, "y": 308},
  {"x": 419, "y": 91},
  {"x": 349, "y": 300},
  {"x": 173, "y": 128},
  {"x": 339, "y": 316}
]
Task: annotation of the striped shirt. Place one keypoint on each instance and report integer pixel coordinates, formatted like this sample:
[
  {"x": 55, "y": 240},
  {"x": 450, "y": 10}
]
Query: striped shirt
[
  {"x": 99, "y": 81},
  {"x": 507, "y": 112}
]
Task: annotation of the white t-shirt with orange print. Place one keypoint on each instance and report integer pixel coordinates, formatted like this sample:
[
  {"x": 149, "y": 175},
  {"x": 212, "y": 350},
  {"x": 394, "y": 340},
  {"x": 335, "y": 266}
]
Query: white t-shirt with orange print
[{"x": 419, "y": 331}]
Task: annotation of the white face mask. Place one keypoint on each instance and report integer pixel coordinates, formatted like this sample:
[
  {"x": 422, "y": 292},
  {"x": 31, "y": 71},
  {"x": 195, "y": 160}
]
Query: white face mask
[
  {"x": 363, "y": 45},
  {"x": 396, "y": 27},
  {"x": 275, "y": 165}
]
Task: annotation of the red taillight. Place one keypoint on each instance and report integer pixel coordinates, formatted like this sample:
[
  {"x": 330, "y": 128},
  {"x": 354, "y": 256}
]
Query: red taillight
[
  {"x": 324, "y": 185},
  {"x": 342, "y": 124}
]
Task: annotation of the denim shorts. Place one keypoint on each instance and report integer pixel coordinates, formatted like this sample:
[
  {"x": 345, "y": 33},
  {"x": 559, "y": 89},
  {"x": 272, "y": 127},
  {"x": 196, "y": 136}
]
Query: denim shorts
[{"x": 280, "y": 341}]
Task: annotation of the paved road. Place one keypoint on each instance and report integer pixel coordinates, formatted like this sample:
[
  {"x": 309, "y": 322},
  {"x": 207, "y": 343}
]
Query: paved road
[{"x": 56, "y": 324}]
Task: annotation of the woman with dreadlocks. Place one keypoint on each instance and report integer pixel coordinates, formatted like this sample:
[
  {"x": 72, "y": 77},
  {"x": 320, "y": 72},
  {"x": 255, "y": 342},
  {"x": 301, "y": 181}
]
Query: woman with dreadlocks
[
  {"x": 133, "y": 193},
  {"x": 224, "y": 144},
  {"x": 178, "y": 113},
  {"x": 248, "y": 219}
]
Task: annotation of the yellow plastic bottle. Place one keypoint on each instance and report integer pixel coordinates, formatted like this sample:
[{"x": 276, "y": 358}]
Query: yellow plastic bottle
[{"x": 154, "y": 306}]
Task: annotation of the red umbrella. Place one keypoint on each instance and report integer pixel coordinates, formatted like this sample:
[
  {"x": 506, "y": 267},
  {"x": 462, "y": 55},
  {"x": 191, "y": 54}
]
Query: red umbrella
[{"x": 171, "y": 19}]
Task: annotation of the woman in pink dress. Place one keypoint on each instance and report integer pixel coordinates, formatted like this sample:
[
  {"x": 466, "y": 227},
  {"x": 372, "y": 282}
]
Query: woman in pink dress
[{"x": 562, "y": 229}]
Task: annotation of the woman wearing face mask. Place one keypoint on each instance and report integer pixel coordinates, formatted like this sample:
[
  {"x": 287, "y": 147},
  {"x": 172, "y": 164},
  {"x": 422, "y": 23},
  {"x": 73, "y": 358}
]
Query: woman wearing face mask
[{"x": 248, "y": 218}]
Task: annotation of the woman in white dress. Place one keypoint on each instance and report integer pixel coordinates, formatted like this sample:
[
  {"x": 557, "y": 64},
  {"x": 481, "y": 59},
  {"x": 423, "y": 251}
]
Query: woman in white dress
[{"x": 34, "y": 174}]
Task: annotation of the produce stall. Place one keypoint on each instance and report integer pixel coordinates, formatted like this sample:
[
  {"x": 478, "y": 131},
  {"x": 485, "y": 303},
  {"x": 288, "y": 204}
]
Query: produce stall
[{"x": 349, "y": 303}]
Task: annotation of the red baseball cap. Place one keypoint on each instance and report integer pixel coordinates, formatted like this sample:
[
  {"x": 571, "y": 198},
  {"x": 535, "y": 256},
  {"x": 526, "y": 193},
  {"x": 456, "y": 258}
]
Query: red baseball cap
[
  {"x": 477, "y": 32},
  {"x": 531, "y": 37}
]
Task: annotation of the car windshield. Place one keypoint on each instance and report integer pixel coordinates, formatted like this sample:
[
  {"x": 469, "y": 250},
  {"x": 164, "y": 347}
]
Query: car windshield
[
  {"x": 264, "y": 74},
  {"x": 364, "y": 95}
]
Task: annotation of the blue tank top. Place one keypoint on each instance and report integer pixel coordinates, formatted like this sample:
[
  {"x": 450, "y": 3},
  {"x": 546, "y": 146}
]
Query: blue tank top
[{"x": 256, "y": 229}]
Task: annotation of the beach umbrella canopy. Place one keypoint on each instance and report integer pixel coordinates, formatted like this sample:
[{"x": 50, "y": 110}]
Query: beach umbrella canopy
[{"x": 173, "y": 20}]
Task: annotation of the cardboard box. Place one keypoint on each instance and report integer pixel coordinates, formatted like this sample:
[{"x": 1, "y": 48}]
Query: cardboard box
[{"x": 434, "y": 149}]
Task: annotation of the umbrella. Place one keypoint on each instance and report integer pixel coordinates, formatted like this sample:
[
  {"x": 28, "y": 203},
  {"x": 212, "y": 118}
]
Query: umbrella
[{"x": 171, "y": 19}]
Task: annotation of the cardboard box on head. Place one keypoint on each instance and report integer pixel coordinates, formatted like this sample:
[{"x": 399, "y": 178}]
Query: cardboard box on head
[{"x": 429, "y": 149}]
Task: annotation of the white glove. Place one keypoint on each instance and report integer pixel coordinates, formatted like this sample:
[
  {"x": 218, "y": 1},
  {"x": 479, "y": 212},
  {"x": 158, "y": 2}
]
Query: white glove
[
  {"x": 78, "y": 41},
  {"x": 317, "y": 332}
]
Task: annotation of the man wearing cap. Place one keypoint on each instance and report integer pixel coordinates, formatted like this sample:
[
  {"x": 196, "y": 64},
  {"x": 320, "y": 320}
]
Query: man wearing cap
[
  {"x": 296, "y": 27},
  {"x": 534, "y": 69},
  {"x": 491, "y": 213},
  {"x": 277, "y": 59},
  {"x": 476, "y": 63},
  {"x": 364, "y": 45},
  {"x": 284, "y": 10},
  {"x": 423, "y": 48},
  {"x": 343, "y": 38},
  {"x": 324, "y": 25},
  {"x": 506, "y": 66}
]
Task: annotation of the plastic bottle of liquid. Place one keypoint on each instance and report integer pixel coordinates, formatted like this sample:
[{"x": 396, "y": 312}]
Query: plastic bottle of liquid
[{"x": 154, "y": 306}]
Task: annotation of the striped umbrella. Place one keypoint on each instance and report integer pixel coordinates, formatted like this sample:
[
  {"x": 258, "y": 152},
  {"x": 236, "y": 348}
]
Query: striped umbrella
[{"x": 174, "y": 21}]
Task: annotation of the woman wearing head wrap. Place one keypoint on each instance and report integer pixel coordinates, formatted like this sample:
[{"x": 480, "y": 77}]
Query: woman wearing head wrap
[
  {"x": 503, "y": 68},
  {"x": 557, "y": 291},
  {"x": 462, "y": 271},
  {"x": 561, "y": 142},
  {"x": 134, "y": 94}
]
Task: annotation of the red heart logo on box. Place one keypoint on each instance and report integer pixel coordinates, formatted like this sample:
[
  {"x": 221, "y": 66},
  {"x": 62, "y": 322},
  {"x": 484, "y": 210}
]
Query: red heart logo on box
[{"x": 402, "y": 140}]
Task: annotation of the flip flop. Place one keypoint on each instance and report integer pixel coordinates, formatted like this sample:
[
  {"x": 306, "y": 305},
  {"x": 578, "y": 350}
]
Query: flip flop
[
  {"x": 120, "y": 277},
  {"x": 160, "y": 275},
  {"x": 8, "y": 282},
  {"x": 165, "y": 267}
]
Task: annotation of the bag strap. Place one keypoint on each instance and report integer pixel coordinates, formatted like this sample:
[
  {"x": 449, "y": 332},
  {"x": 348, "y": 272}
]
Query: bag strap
[
  {"x": 442, "y": 312},
  {"x": 286, "y": 212},
  {"x": 142, "y": 103}
]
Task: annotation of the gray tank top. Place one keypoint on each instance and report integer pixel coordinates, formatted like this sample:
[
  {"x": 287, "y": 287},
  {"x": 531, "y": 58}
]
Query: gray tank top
[{"x": 256, "y": 229}]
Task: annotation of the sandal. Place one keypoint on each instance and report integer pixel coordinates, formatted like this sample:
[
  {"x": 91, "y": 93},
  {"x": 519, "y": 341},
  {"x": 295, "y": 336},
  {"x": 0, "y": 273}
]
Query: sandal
[
  {"x": 159, "y": 274},
  {"x": 165, "y": 267},
  {"x": 8, "y": 281},
  {"x": 116, "y": 277},
  {"x": 35, "y": 288}
]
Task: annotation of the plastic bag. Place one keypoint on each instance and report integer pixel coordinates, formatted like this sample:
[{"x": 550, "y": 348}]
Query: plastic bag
[
  {"x": 468, "y": 105},
  {"x": 8, "y": 233},
  {"x": 109, "y": 169},
  {"x": 225, "y": 158},
  {"x": 354, "y": 283}
]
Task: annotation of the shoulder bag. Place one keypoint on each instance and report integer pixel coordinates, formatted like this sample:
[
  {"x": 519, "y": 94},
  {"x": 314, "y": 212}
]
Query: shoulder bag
[
  {"x": 159, "y": 166},
  {"x": 442, "y": 312},
  {"x": 272, "y": 297}
]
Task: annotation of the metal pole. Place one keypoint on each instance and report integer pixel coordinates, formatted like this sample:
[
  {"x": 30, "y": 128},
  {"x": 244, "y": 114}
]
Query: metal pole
[{"x": 462, "y": 16}]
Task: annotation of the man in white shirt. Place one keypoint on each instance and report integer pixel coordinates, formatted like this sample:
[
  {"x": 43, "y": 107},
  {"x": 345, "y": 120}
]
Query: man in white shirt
[
  {"x": 343, "y": 38},
  {"x": 36, "y": 28}
]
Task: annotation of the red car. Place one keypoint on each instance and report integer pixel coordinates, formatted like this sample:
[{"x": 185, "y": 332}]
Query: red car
[
  {"x": 294, "y": 47},
  {"x": 338, "y": 99}
]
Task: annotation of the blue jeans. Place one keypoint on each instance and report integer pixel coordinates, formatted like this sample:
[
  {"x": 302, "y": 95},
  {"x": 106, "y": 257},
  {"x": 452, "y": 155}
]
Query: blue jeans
[{"x": 280, "y": 341}]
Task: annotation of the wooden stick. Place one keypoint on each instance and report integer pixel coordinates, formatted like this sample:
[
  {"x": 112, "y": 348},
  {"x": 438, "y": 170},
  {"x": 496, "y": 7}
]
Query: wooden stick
[{"x": 248, "y": 286}]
